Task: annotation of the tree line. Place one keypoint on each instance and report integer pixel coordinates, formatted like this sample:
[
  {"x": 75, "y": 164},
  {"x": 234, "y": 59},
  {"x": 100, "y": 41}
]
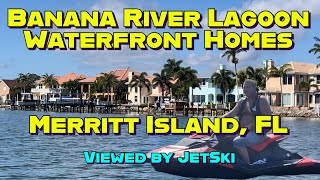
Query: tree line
[{"x": 173, "y": 78}]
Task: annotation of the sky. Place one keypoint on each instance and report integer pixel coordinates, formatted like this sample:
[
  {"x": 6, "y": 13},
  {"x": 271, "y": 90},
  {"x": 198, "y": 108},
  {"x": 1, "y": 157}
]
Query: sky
[{"x": 16, "y": 58}]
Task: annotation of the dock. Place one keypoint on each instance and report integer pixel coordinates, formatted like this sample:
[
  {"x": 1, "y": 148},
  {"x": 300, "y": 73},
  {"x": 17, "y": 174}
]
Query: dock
[{"x": 84, "y": 106}]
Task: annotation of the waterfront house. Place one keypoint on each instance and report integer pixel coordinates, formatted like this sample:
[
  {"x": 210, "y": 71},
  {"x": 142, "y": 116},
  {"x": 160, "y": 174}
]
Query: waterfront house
[
  {"x": 151, "y": 96},
  {"x": 9, "y": 88},
  {"x": 292, "y": 95},
  {"x": 43, "y": 92},
  {"x": 208, "y": 93},
  {"x": 87, "y": 84}
]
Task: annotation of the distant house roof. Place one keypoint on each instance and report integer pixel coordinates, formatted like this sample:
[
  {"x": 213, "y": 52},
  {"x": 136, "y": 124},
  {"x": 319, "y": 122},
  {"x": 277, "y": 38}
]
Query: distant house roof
[
  {"x": 315, "y": 70},
  {"x": 300, "y": 67},
  {"x": 304, "y": 68},
  {"x": 12, "y": 83},
  {"x": 121, "y": 74},
  {"x": 70, "y": 76},
  {"x": 65, "y": 78}
]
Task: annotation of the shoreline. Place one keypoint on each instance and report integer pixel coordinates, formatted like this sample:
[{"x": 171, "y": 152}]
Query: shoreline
[
  {"x": 295, "y": 112},
  {"x": 276, "y": 111}
]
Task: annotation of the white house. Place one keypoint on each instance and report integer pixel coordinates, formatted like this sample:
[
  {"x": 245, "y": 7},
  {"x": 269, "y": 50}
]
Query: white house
[
  {"x": 208, "y": 93},
  {"x": 40, "y": 92}
]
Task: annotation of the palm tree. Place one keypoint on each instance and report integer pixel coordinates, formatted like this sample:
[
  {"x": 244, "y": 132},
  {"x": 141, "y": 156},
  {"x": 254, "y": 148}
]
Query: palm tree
[
  {"x": 28, "y": 81},
  {"x": 242, "y": 76},
  {"x": 256, "y": 75},
  {"x": 186, "y": 77},
  {"x": 122, "y": 90},
  {"x": 172, "y": 67},
  {"x": 111, "y": 81},
  {"x": 316, "y": 48},
  {"x": 307, "y": 86},
  {"x": 162, "y": 80},
  {"x": 194, "y": 83},
  {"x": 72, "y": 85},
  {"x": 224, "y": 80},
  {"x": 231, "y": 55},
  {"x": 140, "y": 81},
  {"x": 264, "y": 72},
  {"x": 49, "y": 80},
  {"x": 106, "y": 81},
  {"x": 22, "y": 79},
  {"x": 280, "y": 72},
  {"x": 100, "y": 85}
]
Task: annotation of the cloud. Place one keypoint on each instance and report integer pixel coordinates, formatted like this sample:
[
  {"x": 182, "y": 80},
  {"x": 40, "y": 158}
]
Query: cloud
[
  {"x": 209, "y": 61},
  {"x": 196, "y": 59},
  {"x": 124, "y": 57},
  {"x": 199, "y": 58},
  {"x": 254, "y": 57},
  {"x": 273, "y": 6}
]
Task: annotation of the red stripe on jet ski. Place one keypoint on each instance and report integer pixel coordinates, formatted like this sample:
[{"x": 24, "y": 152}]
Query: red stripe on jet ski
[
  {"x": 271, "y": 138},
  {"x": 227, "y": 165},
  {"x": 197, "y": 136},
  {"x": 167, "y": 147},
  {"x": 306, "y": 162}
]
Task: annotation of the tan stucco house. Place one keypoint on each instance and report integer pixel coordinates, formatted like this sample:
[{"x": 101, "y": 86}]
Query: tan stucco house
[{"x": 291, "y": 94}]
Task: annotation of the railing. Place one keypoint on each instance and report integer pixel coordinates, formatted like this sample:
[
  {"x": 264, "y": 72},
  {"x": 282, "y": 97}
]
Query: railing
[
  {"x": 317, "y": 108},
  {"x": 49, "y": 90}
]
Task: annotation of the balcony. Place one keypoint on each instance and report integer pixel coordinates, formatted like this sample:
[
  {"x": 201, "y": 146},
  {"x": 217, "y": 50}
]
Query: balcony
[{"x": 49, "y": 90}]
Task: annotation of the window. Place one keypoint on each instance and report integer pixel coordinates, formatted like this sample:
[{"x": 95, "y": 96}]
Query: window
[
  {"x": 220, "y": 98},
  {"x": 145, "y": 99},
  {"x": 318, "y": 79},
  {"x": 203, "y": 82},
  {"x": 317, "y": 98},
  {"x": 135, "y": 98},
  {"x": 210, "y": 98},
  {"x": 300, "y": 99},
  {"x": 231, "y": 98},
  {"x": 198, "y": 98},
  {"x": 286, "y": 99},
  {"x": 40, "y": 86},
  {"x": 136, "y": 89},
  {"x": 301, "y": 78},
  {"x": 287, "y": 79}
]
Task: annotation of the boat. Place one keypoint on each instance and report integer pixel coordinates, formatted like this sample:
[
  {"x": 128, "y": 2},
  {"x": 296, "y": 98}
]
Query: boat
[{"x": 266, "y": 158}]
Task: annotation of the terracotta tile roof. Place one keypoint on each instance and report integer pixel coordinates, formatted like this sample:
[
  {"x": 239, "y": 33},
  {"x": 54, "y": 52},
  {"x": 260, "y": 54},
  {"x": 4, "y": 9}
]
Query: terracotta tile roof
[
  {"x": 121, "y": 74},
  {"x": 70, "y": 76},
  {"x": 12, "y": 83},
  {"x": 64, "y": 78},
  {"x": 89, "y": 79},
  {"x": 150, "y": 78}
]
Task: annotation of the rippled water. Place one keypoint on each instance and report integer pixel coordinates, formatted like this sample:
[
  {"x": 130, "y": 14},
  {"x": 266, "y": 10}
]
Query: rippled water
[{"x": 25, "y": 156}]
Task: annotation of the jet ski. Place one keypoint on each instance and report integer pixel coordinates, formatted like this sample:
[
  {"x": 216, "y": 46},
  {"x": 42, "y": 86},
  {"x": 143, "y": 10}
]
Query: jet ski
[{"x": 266, "y": 158}]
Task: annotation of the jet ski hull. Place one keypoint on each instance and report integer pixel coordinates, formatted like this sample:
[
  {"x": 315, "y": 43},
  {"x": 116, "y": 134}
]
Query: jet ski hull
[
  {"x": 232, "y": 171},
  {"x": 267, "y": 159}
]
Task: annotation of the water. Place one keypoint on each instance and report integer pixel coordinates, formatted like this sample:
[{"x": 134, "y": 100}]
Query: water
[{"x": 25, "y": 156}]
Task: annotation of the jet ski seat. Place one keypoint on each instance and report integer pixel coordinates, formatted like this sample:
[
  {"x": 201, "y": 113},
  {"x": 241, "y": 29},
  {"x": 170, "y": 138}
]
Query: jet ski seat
[{"x": 270, "y": 139}]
